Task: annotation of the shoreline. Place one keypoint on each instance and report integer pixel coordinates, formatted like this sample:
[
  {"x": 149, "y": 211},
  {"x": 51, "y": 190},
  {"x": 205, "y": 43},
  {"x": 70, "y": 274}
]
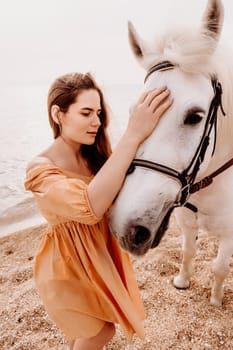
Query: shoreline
[
  {"x": 17, "y": 227},
  {"x": 20, "y": 216}
]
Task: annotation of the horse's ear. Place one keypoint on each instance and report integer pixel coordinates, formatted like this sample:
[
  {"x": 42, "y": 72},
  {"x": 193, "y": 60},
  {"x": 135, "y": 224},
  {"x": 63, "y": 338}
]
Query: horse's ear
[
  {"x": 213, "y": 18},
  {"x": 135, "y": 42}
]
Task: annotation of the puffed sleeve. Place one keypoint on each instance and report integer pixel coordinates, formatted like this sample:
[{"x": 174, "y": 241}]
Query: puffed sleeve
[{"x": 56, "y": 193}]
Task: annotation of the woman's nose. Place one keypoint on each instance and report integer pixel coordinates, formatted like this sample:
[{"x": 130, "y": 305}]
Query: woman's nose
[{"x": 96, "y": 120}]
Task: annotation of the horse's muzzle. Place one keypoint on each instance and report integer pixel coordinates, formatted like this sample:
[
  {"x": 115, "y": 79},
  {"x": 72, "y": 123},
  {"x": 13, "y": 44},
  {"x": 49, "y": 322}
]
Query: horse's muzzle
[{"x": 139, "y": 239}]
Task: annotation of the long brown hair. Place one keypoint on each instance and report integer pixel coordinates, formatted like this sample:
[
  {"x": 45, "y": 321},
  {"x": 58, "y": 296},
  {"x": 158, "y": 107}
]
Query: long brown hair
[{"x": 63, "y": 93}]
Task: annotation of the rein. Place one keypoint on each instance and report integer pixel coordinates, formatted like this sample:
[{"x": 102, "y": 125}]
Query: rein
[{"x": 187, "y": 176}]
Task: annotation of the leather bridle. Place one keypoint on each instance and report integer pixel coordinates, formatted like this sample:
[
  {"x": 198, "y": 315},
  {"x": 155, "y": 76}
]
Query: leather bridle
[{"x": 187, "y": 177}]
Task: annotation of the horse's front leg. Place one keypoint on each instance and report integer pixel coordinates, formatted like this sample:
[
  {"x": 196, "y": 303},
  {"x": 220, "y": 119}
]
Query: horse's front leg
[
  {"x": 220, "y": 269},
  {"x": 189, "y": 250},
  {"x": 188, "y": 226}
]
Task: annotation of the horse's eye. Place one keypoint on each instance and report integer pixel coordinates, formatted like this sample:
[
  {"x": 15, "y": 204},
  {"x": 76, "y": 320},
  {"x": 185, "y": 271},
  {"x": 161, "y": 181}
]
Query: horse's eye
[{"x": 192, "y": 119}]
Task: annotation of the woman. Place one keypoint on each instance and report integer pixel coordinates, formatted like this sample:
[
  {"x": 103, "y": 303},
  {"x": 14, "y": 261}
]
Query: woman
[{"x": 85, "y": 280}]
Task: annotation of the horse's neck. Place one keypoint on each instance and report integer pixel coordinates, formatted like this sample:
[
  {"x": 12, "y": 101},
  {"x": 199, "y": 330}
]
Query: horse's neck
[{"x": 224, "y": 144}]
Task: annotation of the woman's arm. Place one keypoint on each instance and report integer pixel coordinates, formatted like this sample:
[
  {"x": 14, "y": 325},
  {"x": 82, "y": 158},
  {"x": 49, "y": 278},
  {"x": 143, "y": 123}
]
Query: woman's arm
[{"x": 144, "y": 117}]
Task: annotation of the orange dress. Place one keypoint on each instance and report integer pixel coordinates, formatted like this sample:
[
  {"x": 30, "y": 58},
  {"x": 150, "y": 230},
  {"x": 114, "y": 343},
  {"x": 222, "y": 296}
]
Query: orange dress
[{"x": 83, "y": 276}]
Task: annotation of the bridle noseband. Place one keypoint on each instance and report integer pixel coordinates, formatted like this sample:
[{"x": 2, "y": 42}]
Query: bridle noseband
[{"x": 187, "y": 177}]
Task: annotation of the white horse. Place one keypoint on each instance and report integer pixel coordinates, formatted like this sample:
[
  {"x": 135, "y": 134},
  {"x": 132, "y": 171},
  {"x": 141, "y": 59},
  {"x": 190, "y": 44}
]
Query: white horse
[{"x": 192, "y": 140}]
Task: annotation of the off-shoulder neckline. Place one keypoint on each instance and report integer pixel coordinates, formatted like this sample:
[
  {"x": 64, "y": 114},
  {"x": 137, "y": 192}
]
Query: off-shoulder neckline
[{"x": 52, "y": 166}]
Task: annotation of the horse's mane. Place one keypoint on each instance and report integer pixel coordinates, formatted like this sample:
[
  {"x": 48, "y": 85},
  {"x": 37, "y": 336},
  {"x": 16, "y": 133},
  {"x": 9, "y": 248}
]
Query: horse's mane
[{"x": 194, "y": 52}]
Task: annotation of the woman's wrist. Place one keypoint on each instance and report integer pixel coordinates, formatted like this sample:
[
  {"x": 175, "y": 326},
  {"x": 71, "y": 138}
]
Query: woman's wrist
[{"x": 132, "y": 139}]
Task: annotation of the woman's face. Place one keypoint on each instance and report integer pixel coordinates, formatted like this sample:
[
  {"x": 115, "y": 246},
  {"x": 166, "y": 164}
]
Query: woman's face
[{"x": 81, "y": 122}]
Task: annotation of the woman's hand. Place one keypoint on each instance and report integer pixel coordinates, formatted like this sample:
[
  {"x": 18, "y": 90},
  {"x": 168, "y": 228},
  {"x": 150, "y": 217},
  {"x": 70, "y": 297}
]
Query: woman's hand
[{"x": 146, "y": 113}]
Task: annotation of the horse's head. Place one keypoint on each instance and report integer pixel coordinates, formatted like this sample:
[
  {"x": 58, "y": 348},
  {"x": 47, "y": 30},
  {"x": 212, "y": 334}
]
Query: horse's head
[{"x": 184, "y": 62}]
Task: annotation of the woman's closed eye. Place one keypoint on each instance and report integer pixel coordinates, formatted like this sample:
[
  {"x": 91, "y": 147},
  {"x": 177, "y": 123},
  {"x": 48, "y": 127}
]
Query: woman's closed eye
[{"x": 85, "y": 114}]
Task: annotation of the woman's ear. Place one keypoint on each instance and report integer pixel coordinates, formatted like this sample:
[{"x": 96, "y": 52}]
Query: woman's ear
[{"x": 55, "y": 111}]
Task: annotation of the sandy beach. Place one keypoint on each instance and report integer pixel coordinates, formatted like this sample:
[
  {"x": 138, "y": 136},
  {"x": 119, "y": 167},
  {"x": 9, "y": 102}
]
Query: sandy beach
[{"x": 176, "y": 319}]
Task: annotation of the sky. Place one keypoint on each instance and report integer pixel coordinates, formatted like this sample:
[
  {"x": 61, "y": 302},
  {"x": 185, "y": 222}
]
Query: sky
[{"x": 40, "y": 40}]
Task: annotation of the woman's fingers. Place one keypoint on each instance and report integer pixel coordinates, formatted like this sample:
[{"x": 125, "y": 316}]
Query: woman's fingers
[
  {"x": 153, "y": 102},
  {"x": 148, "y": 96},
  {"x": 153, "y": 94},
  {"x": 144, "y": 116},
  {"x": 161, "y": 109},
  {"x": 159, "y": 100},
  {"x": 142, "y": 97}
]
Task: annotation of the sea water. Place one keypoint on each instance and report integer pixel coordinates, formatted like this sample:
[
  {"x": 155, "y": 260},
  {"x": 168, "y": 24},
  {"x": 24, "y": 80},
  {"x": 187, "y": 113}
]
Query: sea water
[{"x": 25, "y": 132}]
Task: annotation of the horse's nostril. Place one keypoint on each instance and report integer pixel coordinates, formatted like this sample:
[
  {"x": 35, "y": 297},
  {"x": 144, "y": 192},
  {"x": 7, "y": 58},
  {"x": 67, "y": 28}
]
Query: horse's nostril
[{"x": 142, "y": 234}]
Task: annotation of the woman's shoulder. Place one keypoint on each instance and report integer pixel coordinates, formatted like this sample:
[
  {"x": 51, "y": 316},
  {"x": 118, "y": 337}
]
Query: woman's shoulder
[
  {"x": 37, "y": 161},
  {"x": 39, "y": 168}
]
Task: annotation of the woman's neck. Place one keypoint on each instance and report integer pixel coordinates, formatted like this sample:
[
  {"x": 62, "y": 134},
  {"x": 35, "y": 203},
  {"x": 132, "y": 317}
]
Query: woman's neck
[
  {"x": 67, "y": 155},
  {"x": 69, "y": 144}
]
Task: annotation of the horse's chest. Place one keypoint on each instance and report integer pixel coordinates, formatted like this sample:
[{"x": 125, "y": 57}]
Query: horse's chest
[
  {"x": 215, "y": 211},
  {"x": 217, "y": 223}
]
